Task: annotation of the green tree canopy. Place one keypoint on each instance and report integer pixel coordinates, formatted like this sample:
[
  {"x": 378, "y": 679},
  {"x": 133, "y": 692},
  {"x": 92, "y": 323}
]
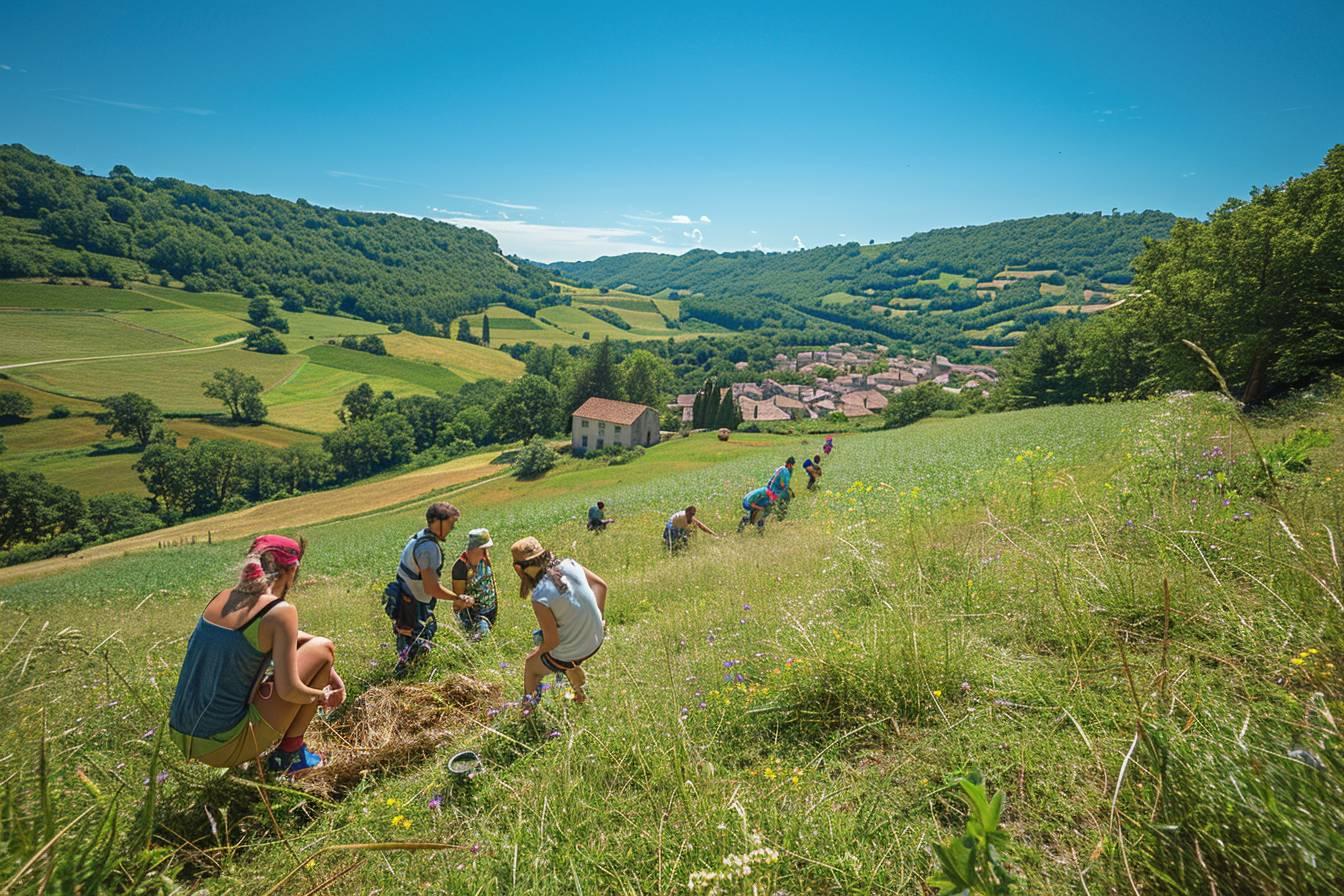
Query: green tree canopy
[
  {"x": 240, "y": 392},
  {"x": 530, "y": 406},
  {"x": 131, "y": 415}
]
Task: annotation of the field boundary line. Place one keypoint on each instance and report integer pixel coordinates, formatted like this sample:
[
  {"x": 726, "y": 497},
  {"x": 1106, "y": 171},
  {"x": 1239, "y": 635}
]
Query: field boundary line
[{"x": 170, "y": 351}]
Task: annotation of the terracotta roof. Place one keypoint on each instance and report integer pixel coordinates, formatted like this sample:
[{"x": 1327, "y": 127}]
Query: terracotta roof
[{"x": 611, "y": 411}]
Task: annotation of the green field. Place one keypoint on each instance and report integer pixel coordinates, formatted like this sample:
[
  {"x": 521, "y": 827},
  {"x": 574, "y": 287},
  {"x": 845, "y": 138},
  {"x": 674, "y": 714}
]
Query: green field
[
  {"x": 470, "y": 362},
  {"x": 310, "y": 398},
  {"x": 23, "y": 294},
  {"x": 173, "y": 381},
  {"x": 386, "y": 367},
  {"x": 40, "y": 335},
  {"x": 984, "y": 593}
]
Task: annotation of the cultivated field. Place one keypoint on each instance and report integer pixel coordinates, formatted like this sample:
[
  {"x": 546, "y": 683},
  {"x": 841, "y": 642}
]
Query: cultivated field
[{"x": 1108, "y": 610}]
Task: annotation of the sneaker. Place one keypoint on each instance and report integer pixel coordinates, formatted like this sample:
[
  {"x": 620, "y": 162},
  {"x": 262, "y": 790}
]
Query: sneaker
[{"x": 299, "y": 762}]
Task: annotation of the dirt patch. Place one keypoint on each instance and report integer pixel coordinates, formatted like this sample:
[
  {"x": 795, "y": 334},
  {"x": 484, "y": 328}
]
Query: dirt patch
[{"x": 394, "y": 725}]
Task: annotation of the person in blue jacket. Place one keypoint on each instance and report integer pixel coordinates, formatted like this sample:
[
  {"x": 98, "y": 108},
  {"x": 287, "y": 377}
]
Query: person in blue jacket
[{"x": 756, "y": 504}]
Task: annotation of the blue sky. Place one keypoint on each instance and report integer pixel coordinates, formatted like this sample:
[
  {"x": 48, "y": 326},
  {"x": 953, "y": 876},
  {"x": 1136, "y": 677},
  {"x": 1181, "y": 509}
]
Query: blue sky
[{"x": 577, "y": 130}]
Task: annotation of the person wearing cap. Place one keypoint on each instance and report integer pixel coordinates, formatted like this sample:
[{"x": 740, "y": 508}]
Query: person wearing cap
[
  {"x": 226, "y": 709},
  {"x": 474, "y": 577},
  {"x": 757, "y": 504},
  {"x": 680, "y": 525},
  {"x": 421, "y": 589},
  {"x": 570, "y": 603},
  {"x": 597, "y": 518}
]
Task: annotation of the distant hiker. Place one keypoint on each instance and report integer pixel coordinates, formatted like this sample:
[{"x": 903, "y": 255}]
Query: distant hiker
[
  {"x": 227, "y": 709},
  {"x": 812, "y": 467},
  {"x": 826, "y": 446},
  {"x": 780, "y": 479},
  {"x": 680, "y": 525},
  {"x": 757, "y": 504},
  {"x": 474, "y": 577},
  {"x": 570, "y": 603},
  {"x": 411, "y": 599},
  {"x": 597, "y": 519}
]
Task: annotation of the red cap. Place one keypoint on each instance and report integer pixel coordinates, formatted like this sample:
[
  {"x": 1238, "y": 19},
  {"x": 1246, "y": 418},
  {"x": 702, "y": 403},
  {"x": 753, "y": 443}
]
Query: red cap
[{"x": 287, "y": 551}]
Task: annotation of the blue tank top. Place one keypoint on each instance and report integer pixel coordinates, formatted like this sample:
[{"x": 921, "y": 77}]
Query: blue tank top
[{"x": 220, "y": 669}]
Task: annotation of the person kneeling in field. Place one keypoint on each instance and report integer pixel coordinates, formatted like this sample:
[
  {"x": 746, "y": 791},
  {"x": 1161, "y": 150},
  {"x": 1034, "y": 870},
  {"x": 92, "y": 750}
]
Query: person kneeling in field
[
  {"x": 680, "y": 525},
  {"x": 812, "y": 468},
  {"x": 570, "y": 602},
  {"x": 226, "y": 710},
  {"x": 411, "y": 599},
  {"x": 757, "y": 504},
  {"x": 474, "y": 577}
]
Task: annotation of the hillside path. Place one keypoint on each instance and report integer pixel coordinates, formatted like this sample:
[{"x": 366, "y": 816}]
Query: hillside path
[{"x": 169, "y": 351}]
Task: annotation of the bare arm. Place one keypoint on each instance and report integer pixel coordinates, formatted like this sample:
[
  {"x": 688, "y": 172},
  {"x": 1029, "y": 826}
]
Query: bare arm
[
  {"x": 550, "y": 632},
  {"x": 599, "y": 586},
  {"x": 703, "y": 528},
  {"x": 283, "y": 624},
  {"x": 434, "y": 588}
]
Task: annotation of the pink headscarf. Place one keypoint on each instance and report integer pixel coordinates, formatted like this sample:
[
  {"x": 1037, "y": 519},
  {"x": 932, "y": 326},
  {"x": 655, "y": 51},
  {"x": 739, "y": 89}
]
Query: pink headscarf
[{"x": 287, "y": 551}]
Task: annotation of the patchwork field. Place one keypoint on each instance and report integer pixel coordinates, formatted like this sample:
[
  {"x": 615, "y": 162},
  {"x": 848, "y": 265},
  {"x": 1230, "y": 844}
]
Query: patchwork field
[{"x": 470, "y": 362}]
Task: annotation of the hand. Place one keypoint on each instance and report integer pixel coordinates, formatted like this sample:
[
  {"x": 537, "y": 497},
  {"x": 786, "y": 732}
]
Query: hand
[
  {"x": 325, "y": 701},
  {"x": 337, "y": 691}
]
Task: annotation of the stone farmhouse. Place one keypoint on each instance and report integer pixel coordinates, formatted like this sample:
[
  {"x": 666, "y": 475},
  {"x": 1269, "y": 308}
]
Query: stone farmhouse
[
  {"x": 858, "y": 382},
  {"x": 602, "y": 422}
]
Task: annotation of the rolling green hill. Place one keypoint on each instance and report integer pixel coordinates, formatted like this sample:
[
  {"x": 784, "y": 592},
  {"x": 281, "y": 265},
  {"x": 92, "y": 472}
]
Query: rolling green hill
[
  {"x": 57, "y": 220},
  {"x": 80, "y": 344},
  {"x": 854, "y": 285}
]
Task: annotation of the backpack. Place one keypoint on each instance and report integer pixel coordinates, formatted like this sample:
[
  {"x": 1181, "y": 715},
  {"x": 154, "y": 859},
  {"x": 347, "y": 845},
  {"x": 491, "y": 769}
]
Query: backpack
[{"x": 402, "y": 607}]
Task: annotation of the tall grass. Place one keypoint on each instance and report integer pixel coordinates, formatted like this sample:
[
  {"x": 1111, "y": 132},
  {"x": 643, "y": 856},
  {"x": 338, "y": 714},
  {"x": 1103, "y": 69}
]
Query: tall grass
[{"x": 982, "y": 593}]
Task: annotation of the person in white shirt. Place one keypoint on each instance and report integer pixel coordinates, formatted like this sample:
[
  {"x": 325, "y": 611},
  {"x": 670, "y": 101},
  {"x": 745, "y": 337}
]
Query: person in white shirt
[
  {"x": 570, "y": 604},
  {"x": 680, "y": 525}
]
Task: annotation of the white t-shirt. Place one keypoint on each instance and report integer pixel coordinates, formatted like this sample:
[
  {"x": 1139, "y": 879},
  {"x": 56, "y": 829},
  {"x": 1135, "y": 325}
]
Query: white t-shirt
[{"x": 576, "y": 613}]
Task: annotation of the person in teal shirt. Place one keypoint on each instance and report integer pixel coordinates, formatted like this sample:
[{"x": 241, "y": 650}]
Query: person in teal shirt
[
  {"x": 779, "y": 480},
  {"x": 757, "y": 504}
]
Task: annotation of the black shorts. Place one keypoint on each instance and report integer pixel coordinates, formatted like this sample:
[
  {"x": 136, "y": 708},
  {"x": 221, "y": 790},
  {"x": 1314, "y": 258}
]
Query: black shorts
[{"x": 556, "y": 665}]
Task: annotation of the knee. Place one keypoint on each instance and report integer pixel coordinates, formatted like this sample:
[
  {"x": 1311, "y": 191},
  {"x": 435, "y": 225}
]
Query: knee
[{"x": 322, "y": 647}]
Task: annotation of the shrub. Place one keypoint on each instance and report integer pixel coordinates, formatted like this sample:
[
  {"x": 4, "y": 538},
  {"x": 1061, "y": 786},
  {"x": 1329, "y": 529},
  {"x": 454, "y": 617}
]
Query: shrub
[
  {"x": 59, "y": 412},
  {"x": 535, "y": 458}
]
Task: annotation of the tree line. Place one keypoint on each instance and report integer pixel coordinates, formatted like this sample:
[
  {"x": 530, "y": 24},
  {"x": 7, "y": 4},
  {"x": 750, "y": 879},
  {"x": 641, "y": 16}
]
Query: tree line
[{"x": 1258, "y": 286}]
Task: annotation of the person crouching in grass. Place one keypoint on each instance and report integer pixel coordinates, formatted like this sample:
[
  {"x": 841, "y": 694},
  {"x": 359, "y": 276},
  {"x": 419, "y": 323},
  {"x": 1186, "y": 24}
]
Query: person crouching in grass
[
  {"x": 677, "y": 531},
  {"x": 226, "y": 709},
  {"x": 570, "y": 604},
  {"x": 474, "y": 577}
]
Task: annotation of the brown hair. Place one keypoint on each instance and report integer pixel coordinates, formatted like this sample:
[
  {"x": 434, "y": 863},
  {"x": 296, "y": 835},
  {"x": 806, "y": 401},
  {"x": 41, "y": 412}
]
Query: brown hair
[
  {"x": 441, "y": 510},
  {"x": 550, "y": 567}
]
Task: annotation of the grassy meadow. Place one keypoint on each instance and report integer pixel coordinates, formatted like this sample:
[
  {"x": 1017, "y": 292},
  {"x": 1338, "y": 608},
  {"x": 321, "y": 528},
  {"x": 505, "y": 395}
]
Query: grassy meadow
[{"x": 1109, "y": 610}]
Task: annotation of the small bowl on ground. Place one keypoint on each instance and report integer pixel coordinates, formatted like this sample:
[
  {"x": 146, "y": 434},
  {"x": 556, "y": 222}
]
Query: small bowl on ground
[{"x": 465, "y": 764}]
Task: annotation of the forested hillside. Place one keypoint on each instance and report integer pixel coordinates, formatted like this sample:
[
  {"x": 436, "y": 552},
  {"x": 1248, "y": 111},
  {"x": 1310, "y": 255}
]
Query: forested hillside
[
  {"x": 61, "y": 221},
  {"x": 922, "y": 292},
  {"x": 1096, "y": 246}
]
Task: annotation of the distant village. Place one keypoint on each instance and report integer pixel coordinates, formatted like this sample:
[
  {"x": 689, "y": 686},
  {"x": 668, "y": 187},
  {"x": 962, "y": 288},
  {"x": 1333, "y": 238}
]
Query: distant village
[{"x": 856, "y": 381}]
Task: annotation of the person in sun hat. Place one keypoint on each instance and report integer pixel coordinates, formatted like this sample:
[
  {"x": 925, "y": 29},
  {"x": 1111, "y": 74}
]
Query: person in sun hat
[
  {"x": 474, "y": 577},
  {"x": 226, "y": 709},
  {"x": 570, "y": 603},
  {"x": 757, "y": 504},
  {"x": 410, "y": 600}
]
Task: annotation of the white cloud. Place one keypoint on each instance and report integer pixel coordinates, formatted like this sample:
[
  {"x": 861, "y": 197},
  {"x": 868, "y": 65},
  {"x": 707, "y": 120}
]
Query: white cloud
[
  {"x": 370, "y": 177},
  {"x": 1189, "y": 174},
  {"x": 797, "y": 241},
  {"x": 553, "y": 242},
  {"x": 453, "y": 212},
  {"x": 842, "y": 236},
  {"x": 657, "y": 239},
  {"x": 194, "y": 110},
  {"x": 694, "y": 235},
  {"x": 655, "y": 218},
  {"x": 4, "y": 67},
  {"x": 499, "y": 202}
]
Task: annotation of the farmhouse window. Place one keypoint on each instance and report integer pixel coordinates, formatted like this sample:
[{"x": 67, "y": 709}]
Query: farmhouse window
[{"x": 584, "y": 424}]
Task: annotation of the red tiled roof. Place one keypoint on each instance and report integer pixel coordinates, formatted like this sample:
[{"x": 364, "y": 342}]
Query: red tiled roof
[{"x": 611, "y": 411}]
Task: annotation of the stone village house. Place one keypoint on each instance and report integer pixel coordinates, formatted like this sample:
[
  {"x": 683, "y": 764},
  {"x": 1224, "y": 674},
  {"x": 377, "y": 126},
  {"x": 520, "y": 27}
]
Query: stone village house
[{"x": 602, "y": 422}]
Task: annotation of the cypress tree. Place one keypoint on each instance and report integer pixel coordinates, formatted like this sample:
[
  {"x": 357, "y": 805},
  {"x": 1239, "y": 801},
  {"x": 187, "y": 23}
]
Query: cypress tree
[{"x": 485, "y": 329}]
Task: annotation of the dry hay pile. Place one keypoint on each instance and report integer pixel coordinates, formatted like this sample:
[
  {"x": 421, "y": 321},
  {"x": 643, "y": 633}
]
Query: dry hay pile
[{"x": 393, "y": 725}]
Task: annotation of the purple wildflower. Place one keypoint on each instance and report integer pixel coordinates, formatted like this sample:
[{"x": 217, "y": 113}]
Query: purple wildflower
[
  {"x": 436, "y": 802},
  {"x": 554, "y": 733},
  {"x": 746, "y": 607},
  {"x": 161, "y": 776},
  {"x": 148, "y": 734}
]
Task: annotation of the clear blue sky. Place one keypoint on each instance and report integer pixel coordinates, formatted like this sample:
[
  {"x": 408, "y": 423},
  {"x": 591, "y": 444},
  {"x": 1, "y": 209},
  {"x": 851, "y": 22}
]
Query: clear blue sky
[{"x": 576, "y": 130}]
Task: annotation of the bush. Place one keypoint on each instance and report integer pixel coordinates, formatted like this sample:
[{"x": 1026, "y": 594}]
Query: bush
[
  {"x": 615, "y": 455},
  {"x": 59, "y": 412},
  {"x": 535, "y": 458},
  {"x": 266, "y": 342}
]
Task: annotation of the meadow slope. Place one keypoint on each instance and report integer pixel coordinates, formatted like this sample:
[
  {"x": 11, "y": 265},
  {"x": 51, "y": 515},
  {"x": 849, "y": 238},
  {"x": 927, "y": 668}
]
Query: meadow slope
[{"x": 985, "y": 592}]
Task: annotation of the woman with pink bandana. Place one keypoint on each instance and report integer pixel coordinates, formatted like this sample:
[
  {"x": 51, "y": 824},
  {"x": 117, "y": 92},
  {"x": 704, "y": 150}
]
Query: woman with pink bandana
[{"x": 227, "y": 709}]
